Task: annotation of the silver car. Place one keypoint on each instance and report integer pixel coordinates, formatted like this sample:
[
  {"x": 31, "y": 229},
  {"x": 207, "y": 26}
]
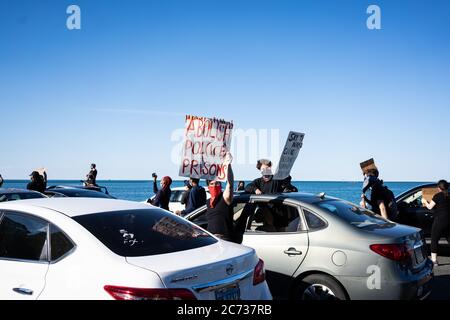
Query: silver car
[{"x": 318, "y": 247}]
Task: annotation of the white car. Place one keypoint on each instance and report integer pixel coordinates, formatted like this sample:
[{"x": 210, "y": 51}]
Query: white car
[
  {"x": 87, "y": 248},
  {"x": 175, "y": 199}
]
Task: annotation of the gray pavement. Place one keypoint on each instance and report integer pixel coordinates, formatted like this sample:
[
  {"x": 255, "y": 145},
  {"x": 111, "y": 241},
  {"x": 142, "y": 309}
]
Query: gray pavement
[{"x": 441, "y": 285}]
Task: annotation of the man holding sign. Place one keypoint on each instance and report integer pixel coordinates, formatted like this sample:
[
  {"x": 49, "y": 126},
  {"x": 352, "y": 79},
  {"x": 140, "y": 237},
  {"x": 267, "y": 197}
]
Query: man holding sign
[{"x": 279, "y": 182}]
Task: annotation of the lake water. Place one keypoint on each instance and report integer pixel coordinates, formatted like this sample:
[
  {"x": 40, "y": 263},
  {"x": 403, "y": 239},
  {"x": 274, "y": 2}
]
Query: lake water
[{"x": 141, "y": 190}]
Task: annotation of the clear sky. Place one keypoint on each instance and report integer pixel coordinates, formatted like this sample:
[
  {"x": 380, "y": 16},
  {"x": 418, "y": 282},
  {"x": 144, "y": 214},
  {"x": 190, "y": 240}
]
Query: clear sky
[{"x": 114, "y": 92}]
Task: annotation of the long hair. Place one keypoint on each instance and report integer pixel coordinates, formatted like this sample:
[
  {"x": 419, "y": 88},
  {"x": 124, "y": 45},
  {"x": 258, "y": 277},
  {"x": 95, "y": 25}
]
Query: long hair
[{"x": 443, "y": 186}]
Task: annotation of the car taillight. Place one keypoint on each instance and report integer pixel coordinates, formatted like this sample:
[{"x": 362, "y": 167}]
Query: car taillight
[
  {"x": 124, "y": 293},
  {"x": 396, "y": 252},
  {"x": 259, "y": 274}
]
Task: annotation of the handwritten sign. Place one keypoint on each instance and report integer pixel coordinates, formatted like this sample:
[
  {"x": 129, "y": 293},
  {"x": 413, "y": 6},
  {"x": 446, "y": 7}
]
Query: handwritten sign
[
  {"x": 428, "y": 193},
  {"x": 206, "y": 142},
  {"x": 290, "y": 152},
  {"x": 368, "y": 165}
]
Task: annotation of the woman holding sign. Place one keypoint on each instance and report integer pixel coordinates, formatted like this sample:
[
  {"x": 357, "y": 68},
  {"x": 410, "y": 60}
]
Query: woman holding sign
[
  {"x": 441, "y": 206},
  {"x": 219, "y": 210}
]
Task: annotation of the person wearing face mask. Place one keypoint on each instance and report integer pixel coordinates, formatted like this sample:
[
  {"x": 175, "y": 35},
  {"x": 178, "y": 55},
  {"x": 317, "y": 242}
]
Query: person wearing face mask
[
  {"x": 219, "y": 210},
  {"x": 162, "y": 197},
  {"x": 266, "y": 184},
  {"x": 382, "y": 200}
]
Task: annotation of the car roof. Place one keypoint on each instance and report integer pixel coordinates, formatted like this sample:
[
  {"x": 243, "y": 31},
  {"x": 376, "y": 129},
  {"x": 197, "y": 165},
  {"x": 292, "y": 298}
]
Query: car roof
[
  {"x": 298, "y": 196},
  {"x": 77, "y": 206},
  {"x": 14, "y": 190}
]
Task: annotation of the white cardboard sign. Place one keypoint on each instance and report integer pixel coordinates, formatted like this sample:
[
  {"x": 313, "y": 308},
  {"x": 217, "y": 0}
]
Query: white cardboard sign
[{"x": 291, "y": 149}]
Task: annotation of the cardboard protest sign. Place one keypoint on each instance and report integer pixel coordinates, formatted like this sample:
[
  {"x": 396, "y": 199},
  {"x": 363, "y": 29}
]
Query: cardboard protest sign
[
  {"x": 367, "y": 165},
  {"x": 206, "y": 142},
  {"x": 291, "y": 149},
  {"x": 428, "y": 193}
]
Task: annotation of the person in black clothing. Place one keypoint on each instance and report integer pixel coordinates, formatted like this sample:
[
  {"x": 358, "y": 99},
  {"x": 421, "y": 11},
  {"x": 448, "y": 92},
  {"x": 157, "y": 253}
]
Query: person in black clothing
[
  {"x": 266, "y": 184},
  {"x": 377, "y": 201},
  {"x": 1, "y": 181},
  {"x": 92, "y": 176},
  {"x": 219, "y": 210},
  {"x": 441, "y": 205},
  {"x": 185, "y": 196},
  {"x": 241, "y": 186},
  {"x": 197, "y": 198},
  {"x": 162, "y": 197},
  {"x": 36, "y": 183}
]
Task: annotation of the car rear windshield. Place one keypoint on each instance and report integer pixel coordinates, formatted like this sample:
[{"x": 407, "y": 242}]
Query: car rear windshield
[
  {"x": 20, "y": 196},
  {"x": 144, "y": 232},
  {"x": 79, "y": 193},
  {"x": 357, "y": 216}
]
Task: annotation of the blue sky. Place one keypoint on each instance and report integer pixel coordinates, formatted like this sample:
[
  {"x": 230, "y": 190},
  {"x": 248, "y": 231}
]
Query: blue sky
[{"x": 114, "y": 92}]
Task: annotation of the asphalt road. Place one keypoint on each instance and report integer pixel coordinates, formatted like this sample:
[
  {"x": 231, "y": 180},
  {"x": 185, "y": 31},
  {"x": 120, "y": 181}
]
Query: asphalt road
[{"x": 441, "y": 284}]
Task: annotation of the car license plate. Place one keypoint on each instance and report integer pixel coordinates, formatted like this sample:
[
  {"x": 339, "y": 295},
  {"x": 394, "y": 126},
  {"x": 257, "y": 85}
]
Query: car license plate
[
  {"x": 418, "y": 252},
  {"x": 229, "y": 293}
]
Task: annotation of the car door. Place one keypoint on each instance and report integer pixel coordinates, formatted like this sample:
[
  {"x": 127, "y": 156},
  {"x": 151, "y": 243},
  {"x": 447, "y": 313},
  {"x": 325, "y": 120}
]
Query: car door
[
  {"x": 23, "y": 256},
  {"x": 284, "y": 248},
  {"x": 413, "y": 213}
]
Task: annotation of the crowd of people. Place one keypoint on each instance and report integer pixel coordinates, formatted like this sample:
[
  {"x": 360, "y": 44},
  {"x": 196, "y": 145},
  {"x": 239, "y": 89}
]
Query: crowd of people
[{"x": 220, "y": 210}]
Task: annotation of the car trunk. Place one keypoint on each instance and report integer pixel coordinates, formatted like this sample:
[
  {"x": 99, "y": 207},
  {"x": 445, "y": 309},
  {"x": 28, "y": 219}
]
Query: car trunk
[
  {"x": 411, "y": 237},
  {"x": 218, "y": 271}
]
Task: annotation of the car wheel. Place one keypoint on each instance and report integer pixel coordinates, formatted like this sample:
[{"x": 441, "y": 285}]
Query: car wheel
[{"x": 319, "y": 287}]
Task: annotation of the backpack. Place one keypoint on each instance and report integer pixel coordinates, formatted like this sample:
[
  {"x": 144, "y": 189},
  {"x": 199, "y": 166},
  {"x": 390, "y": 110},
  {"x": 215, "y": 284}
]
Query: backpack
[{"x": 391, "y": 205}]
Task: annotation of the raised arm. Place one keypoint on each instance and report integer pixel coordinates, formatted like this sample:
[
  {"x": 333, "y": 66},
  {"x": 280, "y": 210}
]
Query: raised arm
[{"x": 228, "y": 193}]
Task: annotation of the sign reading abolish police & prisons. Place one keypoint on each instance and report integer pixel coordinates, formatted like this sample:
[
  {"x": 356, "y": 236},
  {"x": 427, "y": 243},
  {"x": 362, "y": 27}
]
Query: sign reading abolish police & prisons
[{"x": 206, "y": 142}]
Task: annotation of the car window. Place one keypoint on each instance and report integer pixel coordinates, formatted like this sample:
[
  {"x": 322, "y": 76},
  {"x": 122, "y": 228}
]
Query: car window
[
  {"x": 20, "y": 196},
  {"x": 313, "y": 221},
  {"x": 356, "y": 216},
  {"x": 414, "y": 200},
  {"x": 23, "y": 237},
  {"x": 274, "y": 217},
  {"x": 176, "y": 196},
  {"x": 60, "y": 244},
  {"x": 144, "y": 232}
]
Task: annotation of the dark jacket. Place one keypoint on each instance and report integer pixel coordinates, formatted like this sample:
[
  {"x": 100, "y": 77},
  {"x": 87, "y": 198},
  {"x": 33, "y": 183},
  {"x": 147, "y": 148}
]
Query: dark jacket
[
  {"x": 270, "y": 187},
  {"x": 162, "y": 197},
  {"x": 36, "y": 185},
  {"x": 197, "y": 198}
]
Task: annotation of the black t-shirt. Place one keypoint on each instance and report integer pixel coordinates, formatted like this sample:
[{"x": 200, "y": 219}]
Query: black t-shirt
[
  {"x": 442, "y": 207},
  {"x": 220, "y": 218},
  {"x": 376, "y": 196}
]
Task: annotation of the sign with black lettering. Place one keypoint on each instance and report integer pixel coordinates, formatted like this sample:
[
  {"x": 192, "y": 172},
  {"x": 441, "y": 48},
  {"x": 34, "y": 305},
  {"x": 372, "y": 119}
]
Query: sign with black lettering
[{"x": 290, "y": 152}]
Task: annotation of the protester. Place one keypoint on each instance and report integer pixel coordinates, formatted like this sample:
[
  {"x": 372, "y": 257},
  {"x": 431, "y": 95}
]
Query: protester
[
  {"x": 441, "y": 205},
  {"x": 162, "y": 197},
  {"x": 91, "y": 177},
  {"x": 197, "y": 197},
  {"x": 185, "y": 195},
  {"x": 241, "y": 186},
  {"x": 1, "y": 181},
  {"x": 288, "y": 186},
  {"x": 266, "y": 184},
  {"x": 381, "y": 200},
  {"x": 219, "y": 210},
  {"x": 36, "y": 183}
]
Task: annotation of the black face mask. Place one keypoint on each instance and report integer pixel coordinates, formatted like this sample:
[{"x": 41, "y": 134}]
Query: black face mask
[{"x": 368, "y": 183}]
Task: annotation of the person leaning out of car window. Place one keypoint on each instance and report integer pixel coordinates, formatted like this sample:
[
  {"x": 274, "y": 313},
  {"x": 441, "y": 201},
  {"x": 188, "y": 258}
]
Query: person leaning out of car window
[
  {"x": 219, "y": 208},
  {"x": 441, "y": 206},
  {"x": 197, "y": 197},
  {"x": 162, "y": 196},
  {"x": 267, "y": 184},
  {"x": 377, "y": 198},
  {"x": 36, "y": 183}
]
